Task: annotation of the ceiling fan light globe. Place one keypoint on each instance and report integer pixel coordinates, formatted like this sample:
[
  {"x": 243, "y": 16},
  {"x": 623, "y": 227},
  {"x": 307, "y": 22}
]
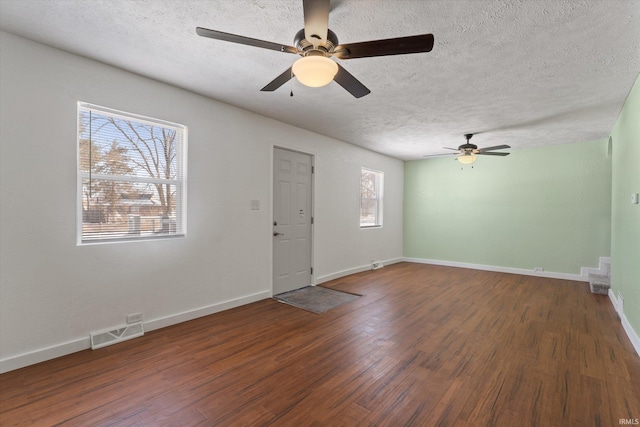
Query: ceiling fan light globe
[
  {"x": 467, "y": 159},
  {"x": 315, "y": 71}
]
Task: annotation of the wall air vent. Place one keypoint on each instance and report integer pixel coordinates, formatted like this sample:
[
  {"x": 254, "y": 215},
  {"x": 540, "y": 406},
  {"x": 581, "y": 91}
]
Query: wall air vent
[{"x": 112, "y": 336}]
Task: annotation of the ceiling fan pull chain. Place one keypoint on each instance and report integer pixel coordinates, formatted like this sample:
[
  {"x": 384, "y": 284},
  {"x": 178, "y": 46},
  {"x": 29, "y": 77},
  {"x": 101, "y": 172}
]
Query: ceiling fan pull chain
[{"x": 291, "y": 84}]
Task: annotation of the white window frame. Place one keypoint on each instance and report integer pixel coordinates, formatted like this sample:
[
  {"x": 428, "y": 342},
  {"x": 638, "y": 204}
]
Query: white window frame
[
  {"x": 180, "y": 182},
  {"x": 378, "y": 198}
]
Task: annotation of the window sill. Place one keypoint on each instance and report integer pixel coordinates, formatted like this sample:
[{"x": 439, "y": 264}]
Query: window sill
[{"x": 130, "y": 239}]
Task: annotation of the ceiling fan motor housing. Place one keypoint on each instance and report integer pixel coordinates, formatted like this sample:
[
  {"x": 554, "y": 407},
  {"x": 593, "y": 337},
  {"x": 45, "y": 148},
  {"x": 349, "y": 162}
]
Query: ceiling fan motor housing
[
  {"x": 307, "y": 48},
  {"x": 468, "y": 148}
]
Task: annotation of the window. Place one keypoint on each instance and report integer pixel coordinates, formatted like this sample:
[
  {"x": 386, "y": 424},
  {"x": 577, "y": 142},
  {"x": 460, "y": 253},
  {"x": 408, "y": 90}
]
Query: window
[
  {"x": 371, "y": 183},
  {"x": 131, "y": 176}
]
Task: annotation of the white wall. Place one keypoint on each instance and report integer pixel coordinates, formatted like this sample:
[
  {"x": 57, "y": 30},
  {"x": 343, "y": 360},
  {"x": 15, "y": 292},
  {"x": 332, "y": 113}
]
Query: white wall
[{"x": 53, "y": 293}]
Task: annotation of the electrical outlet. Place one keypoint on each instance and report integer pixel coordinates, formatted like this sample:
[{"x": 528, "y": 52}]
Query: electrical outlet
[{"x": 134, "y": 318}]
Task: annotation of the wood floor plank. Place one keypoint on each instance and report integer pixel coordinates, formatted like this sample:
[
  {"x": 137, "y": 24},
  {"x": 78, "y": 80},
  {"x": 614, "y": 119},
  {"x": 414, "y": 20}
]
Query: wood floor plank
[{"x": 425, "y": 346}]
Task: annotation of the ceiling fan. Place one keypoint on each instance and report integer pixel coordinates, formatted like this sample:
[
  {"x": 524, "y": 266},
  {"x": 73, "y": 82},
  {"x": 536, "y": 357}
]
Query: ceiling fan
[
  {"x": 316, "y": 44},
  {"x": 467, "y": 152}
]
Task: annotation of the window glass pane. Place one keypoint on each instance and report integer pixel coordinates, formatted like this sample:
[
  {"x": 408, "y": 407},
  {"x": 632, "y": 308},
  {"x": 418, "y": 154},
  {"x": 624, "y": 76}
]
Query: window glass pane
[
  {"x": 131, "y": 175},
  {"x": 370, "y": 198},
  {"x": 120, "y": 209}
]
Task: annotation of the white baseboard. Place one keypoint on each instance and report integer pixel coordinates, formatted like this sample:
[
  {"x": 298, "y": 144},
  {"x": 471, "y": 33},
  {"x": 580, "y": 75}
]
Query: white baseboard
[
  {"x": 174, "y": 319},
  {"x": 633, "y": 336},
  {"x": 354, "y": 270},
  {"x": 37, "y": 356},
  {"x": 340, "y": 274},
  {"x": 548, "y": 274},
  {"x": 48, "y": 353},
  {"x": 614, "y": 301}
]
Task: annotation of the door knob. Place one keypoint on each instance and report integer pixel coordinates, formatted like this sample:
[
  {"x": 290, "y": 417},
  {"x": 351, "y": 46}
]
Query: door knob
[{"x": 275, "y": 233}]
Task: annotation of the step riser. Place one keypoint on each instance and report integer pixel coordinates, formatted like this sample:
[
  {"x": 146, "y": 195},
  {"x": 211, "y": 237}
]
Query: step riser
[
  {"x": 599, "y": 289},
  {"x": 599, "y": 284}
]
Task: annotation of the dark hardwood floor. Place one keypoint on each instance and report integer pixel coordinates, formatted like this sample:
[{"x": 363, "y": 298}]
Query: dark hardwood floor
[{"x": 424, "y": 346}]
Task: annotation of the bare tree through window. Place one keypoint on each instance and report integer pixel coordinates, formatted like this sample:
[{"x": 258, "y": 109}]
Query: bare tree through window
[{"x": 370, "y": 198}]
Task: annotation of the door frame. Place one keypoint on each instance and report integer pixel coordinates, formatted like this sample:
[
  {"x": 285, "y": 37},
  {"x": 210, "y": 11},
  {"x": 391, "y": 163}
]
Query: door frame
[{"x": 313, "y": 207}]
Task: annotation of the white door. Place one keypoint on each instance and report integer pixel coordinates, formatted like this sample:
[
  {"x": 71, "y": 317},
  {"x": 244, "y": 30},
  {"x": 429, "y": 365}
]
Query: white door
[{"x": 292, "y": 196}]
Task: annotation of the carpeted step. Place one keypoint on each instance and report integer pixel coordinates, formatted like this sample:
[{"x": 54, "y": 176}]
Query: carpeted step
[{"x": 599, "y": 284}]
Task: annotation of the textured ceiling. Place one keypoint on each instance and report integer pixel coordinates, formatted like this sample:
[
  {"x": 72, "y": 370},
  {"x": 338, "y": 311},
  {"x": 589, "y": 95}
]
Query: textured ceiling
[{"x": 517, "y": 72}]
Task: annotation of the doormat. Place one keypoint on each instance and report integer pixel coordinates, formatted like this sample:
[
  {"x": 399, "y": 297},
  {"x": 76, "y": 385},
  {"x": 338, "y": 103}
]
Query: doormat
[{"x": 316, "y": 299}]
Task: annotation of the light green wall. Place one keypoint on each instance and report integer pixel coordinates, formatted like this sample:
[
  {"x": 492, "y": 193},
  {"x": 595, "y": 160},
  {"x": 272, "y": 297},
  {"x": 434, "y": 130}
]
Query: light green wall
[
  {"x": 546, "y": 207},
  {"x": 625, "y": 217}
]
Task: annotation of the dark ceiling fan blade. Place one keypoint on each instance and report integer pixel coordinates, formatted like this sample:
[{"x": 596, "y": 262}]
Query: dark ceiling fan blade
[
  {"x": 350, "y": 83},
  {"x": 219, "y": 35},
  {"x": 439, "y": 155},
  {"x": 495, "y": 147},
  {"x": 316, "y": 21},
  {"x": 396, "y": 46},
  {"x": 278, "y": 81},
  {"x": 490, "y": 153}
]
